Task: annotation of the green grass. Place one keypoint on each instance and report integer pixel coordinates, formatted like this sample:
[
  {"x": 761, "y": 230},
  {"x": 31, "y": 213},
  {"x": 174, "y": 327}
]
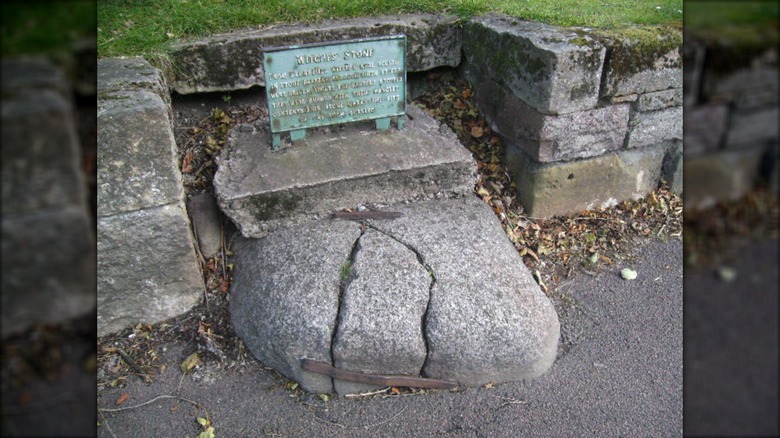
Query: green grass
[
  {"x": 45, "y": 27},
  {"x": 740, "y": 23},
  {"x": 144, "y": 27}
]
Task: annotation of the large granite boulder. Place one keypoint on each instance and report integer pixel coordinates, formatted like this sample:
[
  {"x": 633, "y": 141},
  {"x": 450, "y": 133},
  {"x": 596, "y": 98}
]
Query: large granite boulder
[{"x": 439, "y": 292}]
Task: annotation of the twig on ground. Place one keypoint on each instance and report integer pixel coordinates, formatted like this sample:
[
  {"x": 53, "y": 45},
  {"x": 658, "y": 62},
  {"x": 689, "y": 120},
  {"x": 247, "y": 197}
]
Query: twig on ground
[
  {"x": 510, "y": 401},
  {"x": 152, "y": 401},
  {"x": 365, "y": 427},
  {"x": 368, "y": 394}
]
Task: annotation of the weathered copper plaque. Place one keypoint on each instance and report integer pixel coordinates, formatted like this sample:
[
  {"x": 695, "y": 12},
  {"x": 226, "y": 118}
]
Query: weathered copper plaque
[{"x": 325, "y": 84}]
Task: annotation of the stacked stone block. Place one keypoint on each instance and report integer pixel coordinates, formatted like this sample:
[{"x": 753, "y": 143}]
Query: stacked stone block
[
  {"x": 590, "y": 119},
  {"x": 48, "y": 255},
  {"x": 731, "y": 119},
  {"x": 147, "y": 267}
]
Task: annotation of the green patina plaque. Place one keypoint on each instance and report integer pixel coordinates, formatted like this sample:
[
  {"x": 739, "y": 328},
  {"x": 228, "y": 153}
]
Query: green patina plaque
[{"x": 325, "y": 84}]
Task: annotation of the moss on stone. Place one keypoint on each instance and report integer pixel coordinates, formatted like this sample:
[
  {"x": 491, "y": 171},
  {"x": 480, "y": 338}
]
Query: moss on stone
[
  {"x": 272, "y": 206},
  {"x": 639, "y": 48}
]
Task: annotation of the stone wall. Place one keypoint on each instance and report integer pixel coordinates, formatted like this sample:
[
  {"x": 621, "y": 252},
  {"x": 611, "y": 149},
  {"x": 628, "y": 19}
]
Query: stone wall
[
  {"x": 590, "y": 119},
  {"x": 147, "y": 267},
  {"x": 48, "y": 247},
  {"x": 731, "y": 119}
]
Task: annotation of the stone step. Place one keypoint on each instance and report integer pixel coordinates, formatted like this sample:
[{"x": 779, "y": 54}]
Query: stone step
[
  {"x": 334, "y": 168},
  {"x": 439, "y": 292}
]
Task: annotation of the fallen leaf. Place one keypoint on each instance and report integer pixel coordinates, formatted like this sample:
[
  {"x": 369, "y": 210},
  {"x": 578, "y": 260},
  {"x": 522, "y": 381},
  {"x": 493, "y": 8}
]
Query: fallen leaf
[
  {"x": 122, "y": 398},
  {"x": 208, "y": 433},
  {"x": 490, "y": 385},
  {"x": 628, "y": 274},
  {"x": 186, "y": 163},
  {"x": 727, "y": 274},
  {"x": 204, "y": 422},
  {"x": 169, "y": 35},
  {"x": 324, "y": 397},
  {"x": 395, "y": 391},
  {"x": 477, "y": 132},
  {"x": 190, "y": 362}
]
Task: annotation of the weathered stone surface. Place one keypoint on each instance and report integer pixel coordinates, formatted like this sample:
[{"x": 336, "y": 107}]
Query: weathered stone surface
[
  {"x": 659, "y": 100},
  {"x": 705, "y": 128},
  {"x": 382, "y": 307},
  {"x": 553, "y": 70},
  {"x": 147, "y": 270},
  {"x": 693, "y": 62},
  {"x": 335, "y": 168},
  {"x": 48, "y": 267},
  {"x": 722, "y": 175},
  {"x": 147, "y": 267},
  {"x": 21, "y": 75},
  {"x": 235, "y": 61},
  {"x": 752, "y": 86},
  {"x": 653, "y": 127},
  {"x": 488, "y": 320},
  {"x": 48, "y": 250},
  {"x": 547, "y": 190},
  {"x": 117, "y": 75},
  {"x": 206, "y": 221},
  {"x": 40, "y": 167},
  {"x": 548, "y": 138},
  {"x": 285, "y": 295},
  {"x": 672, "y": 169},
  {"x": 137, "y": 153},
  {"x": 642, "y": 64},
  {"x": 752, "y": 128}
]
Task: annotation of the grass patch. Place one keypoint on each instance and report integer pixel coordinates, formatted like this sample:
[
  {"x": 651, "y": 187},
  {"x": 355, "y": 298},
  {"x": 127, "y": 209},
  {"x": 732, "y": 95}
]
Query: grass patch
[
  {"x": 45, "y": 27},
  {"x": 141, "y": 27}
]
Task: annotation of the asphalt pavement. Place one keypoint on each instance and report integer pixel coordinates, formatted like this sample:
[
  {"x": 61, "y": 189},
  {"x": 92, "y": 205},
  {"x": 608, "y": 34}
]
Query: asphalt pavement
[{"x": 619, "y": 372}]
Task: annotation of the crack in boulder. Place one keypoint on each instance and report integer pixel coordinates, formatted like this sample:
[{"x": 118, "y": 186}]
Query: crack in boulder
[
  {"x": 424, "y": 319},
  {"x": 383, "y": 305}
]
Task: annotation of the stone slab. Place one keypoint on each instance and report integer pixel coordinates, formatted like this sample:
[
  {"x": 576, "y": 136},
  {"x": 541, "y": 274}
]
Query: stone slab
[
  {"x": 48, "y": 247},
  {"x": 693, "y": 63},
  {"x": 752, "y": 128},
  {"x": 131, "y": 74},
  {"x": 335, "y": 168},
  {"x": 672, "y": 168},
  {"x": 658, "y": 100},
  {"x": 234, "y": 61},
  {"x": 147, "y": 270},
  {"x": 551, "y": 69},
  {"x": 643, "y": 63},
  {"x": 137, "y": 153},
  {"x": 284, "y": 299},
  {"x": 20, "y": 75},
  {"x": 383, "y": 303},
  {"x": 548, "y": 138},
  {"x": 654, "y": 127},
  {"x": 207, "y": 222},
  {"x": 752, "y": 86},
  {"x": 41, "y": 160},
  {"x": 48, "y": 267},
  {"x": 705, "y": 128},
  {"x": 720, "y": 175},
  {"x": 486, "y": 321},
  {"x": 551, "y": 189}
]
